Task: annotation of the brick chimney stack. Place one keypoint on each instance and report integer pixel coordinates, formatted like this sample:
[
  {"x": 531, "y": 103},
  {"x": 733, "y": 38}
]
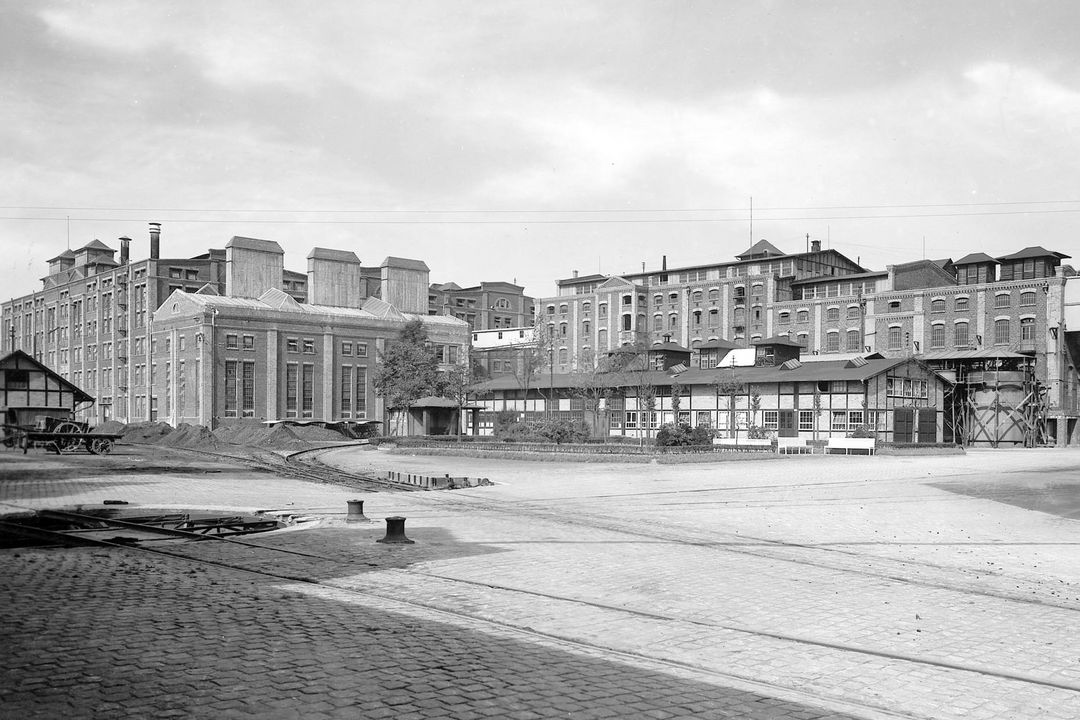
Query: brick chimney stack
[
  {"x": 125, "y": 250},
  {"x": 155, "y": 240}
]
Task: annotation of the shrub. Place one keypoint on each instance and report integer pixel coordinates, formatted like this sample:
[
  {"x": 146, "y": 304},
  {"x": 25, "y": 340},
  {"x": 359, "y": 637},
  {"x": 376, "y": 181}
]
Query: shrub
[
  {"x": 543, "y": 430},
  {"x": 756, "y": 432},
  {"x": 673, "y": 435},
  {"x": 863, "y": 431}
]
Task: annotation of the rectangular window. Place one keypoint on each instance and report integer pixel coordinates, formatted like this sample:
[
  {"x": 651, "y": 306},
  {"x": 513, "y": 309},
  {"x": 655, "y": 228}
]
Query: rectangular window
[
  {"x": 230, "y": 389},
  {"x": 346, "y": 391},
  {"x": 894, "y": 338},
  {"x": 631, "y": 420},
  {"x": 231, "y": 342},
  {"x": 307, "y": 387},
  {"x": 249, "y": 342},
  {"x": 839, "y": 420},
  {"x": 248, "y": 398},
  {"x": 771, "y": 419},
  {"x": 361, "y": 349},
  {"x": 360, "y": 392},
  {"x": 806, "y": 420},
  {"x": 291, "y": 379},
  {"x": 309, "y": 346},
  {"x": 1027, "y": 329},
  {"x": 346, "y": 348},
  {"x": 292, "y": 345},
  {"x": 855, "y": 419}
]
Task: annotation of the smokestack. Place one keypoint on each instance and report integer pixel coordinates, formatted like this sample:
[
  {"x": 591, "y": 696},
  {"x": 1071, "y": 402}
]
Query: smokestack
[
  {"x": 815, "y": 246},
  {"x": 125, "y": 250},
  {"x": 155, "y": 240},
  {"x": 575, "y": 273},
  {"x": 663, "y": 265}
]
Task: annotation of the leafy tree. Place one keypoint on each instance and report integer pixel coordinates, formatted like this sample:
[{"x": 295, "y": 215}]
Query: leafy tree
[{"x": 408, "y": 370}]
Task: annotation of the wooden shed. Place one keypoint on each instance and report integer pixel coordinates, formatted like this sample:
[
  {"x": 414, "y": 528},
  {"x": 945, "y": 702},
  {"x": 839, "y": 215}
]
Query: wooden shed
[{"x": 31, "y": 392}]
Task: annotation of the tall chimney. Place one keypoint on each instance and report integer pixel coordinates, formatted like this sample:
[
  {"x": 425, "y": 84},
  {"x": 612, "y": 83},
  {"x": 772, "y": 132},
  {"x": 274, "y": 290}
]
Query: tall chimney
[
  {"x": 663, "y": 266},
  {"x": 815, "y": 246},
  {"x": 155, "y": 240},
  {"x": 125, "y": 250}
]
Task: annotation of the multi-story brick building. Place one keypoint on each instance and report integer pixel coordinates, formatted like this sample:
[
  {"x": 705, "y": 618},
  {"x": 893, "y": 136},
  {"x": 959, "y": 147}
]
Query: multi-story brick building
[
  {"x": 90, "y": 322},
  {"x": 94, "y": 323},
  {"x": 256, "y": 354},
  {"x": 943, "y": 311},
  {"x": 499, "y": 307}
]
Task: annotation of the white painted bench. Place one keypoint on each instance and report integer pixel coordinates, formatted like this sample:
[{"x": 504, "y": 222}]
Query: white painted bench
[
  {"x": 849, "y": 444},
  {"x": 743, "y": 442},
  {"x": 788, "y": 445}
]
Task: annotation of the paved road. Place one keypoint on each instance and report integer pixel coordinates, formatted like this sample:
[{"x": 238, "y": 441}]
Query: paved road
[{"x": 818, "y": 587}]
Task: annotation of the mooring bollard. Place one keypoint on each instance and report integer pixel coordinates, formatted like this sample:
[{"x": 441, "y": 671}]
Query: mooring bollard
[
  {"x": 356, "y": 511},
  {"x": 395, "y": 531}
]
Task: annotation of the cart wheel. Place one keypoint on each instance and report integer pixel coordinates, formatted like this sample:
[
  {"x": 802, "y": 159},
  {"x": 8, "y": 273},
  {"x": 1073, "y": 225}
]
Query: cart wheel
[
  {"x": 67, "y": 443},
  {"x": 100, "y": 446}
]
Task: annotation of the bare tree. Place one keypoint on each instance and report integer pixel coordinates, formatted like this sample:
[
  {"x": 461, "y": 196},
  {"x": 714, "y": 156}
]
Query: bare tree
[
  {"x": 590, "y": 384},
  {"x": 456, "y": 383}
]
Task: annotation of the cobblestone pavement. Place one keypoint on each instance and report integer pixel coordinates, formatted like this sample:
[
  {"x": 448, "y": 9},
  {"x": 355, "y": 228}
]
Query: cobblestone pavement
[{"x": 773, "y": 588}]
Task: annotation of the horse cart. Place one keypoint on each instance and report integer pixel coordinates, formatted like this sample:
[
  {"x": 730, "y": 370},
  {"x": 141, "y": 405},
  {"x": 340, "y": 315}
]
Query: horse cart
[{"x": 59, "y": 435}]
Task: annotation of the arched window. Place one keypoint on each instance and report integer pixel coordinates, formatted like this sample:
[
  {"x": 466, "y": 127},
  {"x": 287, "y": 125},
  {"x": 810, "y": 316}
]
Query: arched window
[
  {"x": 658, "y": 321},
  {"x": 937, "y": 335},
  {"x": 854, "y": 341},
  {"x": 896, "y": 337},
  {"x": 1001, "y": 332},
  {"x": 697, "y": 297},
  {"x": 802, "y": 316},
  {"x": 960, "y": 335},
  {"x": 562, "y": 309},
  {"x": 714, "y": 295},
  {"x": 832, "y": 314},
  {"x": 853, "y": 312},
  {"x": 783, "y": 318},
  {"x": 937, "y": 305},
  {"x": 961, "y": 304},
  {"x": 1002, "y": 300},
  {"x": 627, "y": 322},
  {"x": 714, "y": 318},
  {"x": 832, "y": 341},
  {"x": 658, "y": 299},
  {"x": 564, "y": 356},
  {"x": 562, "y": 329},
  {"x": 1027, "y": 298}
]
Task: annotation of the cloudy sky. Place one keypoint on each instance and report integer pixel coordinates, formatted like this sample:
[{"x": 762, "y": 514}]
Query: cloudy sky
[{"x": 523, "y": 141}]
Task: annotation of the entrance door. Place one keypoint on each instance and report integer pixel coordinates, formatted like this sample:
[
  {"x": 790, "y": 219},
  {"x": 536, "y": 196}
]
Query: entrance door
[
  {"x": 786, "y": 427},
  {"x": 927, "y": 425},
  {"x": 903, "y": 424}
]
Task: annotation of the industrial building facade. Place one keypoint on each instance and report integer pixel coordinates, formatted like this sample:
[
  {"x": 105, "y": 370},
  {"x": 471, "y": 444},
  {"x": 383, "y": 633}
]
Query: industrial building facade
[
  {"x": 939, "y": 311},
  {"x": 224, "y": 338}
]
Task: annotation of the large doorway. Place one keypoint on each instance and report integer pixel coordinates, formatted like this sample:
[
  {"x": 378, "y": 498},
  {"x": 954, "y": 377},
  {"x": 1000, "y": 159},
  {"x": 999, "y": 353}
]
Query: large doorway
[{"x": 903, "y": 425}]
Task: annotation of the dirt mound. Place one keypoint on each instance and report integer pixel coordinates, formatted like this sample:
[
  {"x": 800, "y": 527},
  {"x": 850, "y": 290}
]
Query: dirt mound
[
  {"x": 242, "y": 434},
  {"x": 146, "y": 432},
  {"x": 190, "y": 436},
  {"x": 110, "y": 427}
]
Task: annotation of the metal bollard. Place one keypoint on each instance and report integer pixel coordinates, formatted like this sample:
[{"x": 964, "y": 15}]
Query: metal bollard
[
  {"x": 356, "y": 512},
  {"x": 395, "y": 532}
]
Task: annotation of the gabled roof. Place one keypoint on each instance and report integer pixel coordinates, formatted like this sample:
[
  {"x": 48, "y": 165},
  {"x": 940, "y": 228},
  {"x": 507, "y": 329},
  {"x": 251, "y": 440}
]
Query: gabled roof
[
  {"x": 1033, "y": 251},
  {"x": 975, "y": 257},
  {"x": 66, "y": 255},
  {"x": 615, "y": 282},
  {"x": 760, "y": 248},
  {"x": 718, "y": 345},
  {"x": 246, "y": 243},
  {"x": 95, "y": 245},
  {"x": 279, "y": 299},
  {"x": 20, "y": 359},
  {"x": 405, "y": 263},
  {"x": 347, "y": 256},
  {"x": 668, "y": 347}
]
